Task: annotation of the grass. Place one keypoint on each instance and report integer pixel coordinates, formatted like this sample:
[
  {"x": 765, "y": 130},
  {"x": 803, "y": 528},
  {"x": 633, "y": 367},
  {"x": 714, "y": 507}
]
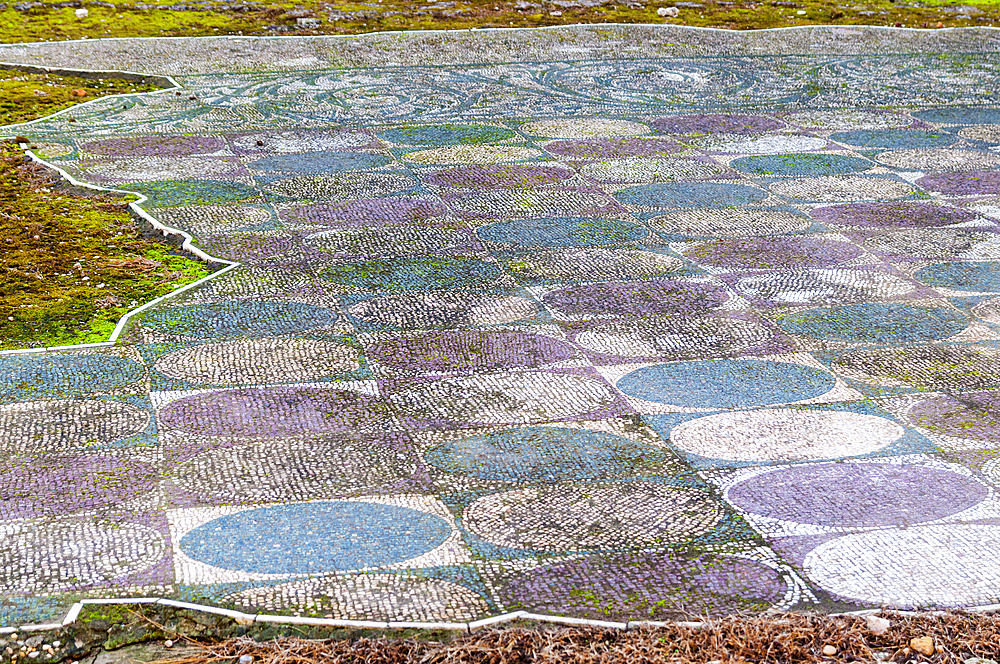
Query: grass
[
  {"x": 25, "y": 96},
  {"x": 71, "y": 266},
  {"x": 47, "y": 21}
]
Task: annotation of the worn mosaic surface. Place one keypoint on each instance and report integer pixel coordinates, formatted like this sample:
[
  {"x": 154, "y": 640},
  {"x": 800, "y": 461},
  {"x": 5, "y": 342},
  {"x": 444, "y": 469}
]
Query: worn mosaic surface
[{"x": 618, "y": 339}]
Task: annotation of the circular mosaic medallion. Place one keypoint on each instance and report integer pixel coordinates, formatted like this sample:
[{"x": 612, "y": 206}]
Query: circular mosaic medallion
[
  {"x": 726, "y": 383},
  {"x": 274, "y": 411},
  {"x": 340, "y": 186},
  {"x": 563, "y": 232},
  {"x": 150, "y": 169},
  {"x": 959, "y": 115},
  {"x": 858, "y": 495},
  {"x": 762, "y": 145},
  {"x": 986, "y": 133},
  {"x": 894, "y": 139},
  {"x": 48, "y": 426},
  {"x": 583, "y": 128},
  {"x": 647, "y": 585},
  {"x": 843, "y": 188},
  {"x": 900, "y": 214},
  {"x": 291, "y": 470},
  {"x": 645, "y": 298},
  {"x": 32, "y": 376},
  {"x": 794, "y": 165},
  {"x": 48, "y": 485},
  {"x": 694, "y": 195},
  {"x": 784, "y": 434},
  {"x": 872, "y": 322},
  {"x": 675, "y": 337},
  {"x": 973, "y": 415},
  {"x": 823, "y": 286},
  {"x": 730, "y": 222},
  {"x": 253, "y": 361},
  {"x": 561, "y": 518},
  {"x": 173, "y": 193},
  {"x": 468, "y": 351},
  {"x": 930, "y": 566},
  {"x": 938, "y": 160},
  {"x": 988, "y": 310},
  {"x": 506, "y": 203},
  {"x": 634, "y": 169},
  {"x": 165, "y": 145},
  {"x": 381, "y": 597},
  {"x": 577, "y": 264},
  {"x": 447, "y": 134},
  {"x": 238, "y": 318},
  {"x": 951, "y": 367},
  {"x": 366, "y": 211},
  {"x": 211, "y": 219},
  {"x": 40, "y": 557},
  {"x": 312, "y": 538},
  {"x": 847, "y": 120},
  {"x": 383, "y": 241},
  {"x": 319, "y": 162},
  {"x": 968, "y": 183},
  {"x": 498, "y": 176},
  {"x": 473, "y": 154},
  {"x": 289, "y": 142},
  {"x": 415, "y": 274},
  {"x": 519, "y": 398},
  {"x": 977, "y": 277},
  {"x": 715, "y": 124},
  {"x": 544, "y": 454},
  {"x": 780, "y": 253},
  {"x": 419, "y": 311},
  {"x": 611, "y": 148}
]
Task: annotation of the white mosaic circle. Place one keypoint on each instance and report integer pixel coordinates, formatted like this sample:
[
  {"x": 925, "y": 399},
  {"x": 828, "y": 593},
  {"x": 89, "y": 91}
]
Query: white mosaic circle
[
  {"x": 292, "y": 470},
  {"x": 291, "y": 142},
  {"x": 442, "y": 310},
  {"x": 584, "y": 128},
  {"x": 785, "y": 434},
  {"x": 341, "y": 186},
  {"x": 762, "y": 144},
  {"x": 987, "y": 133},
  {"x": 473, "y": 154},
  {"x": 846, "y": 120},
  {"x": 830, "y": 188},
  {"x": 382, "y": 597},
  {"x": 823, "y": 286},
  {"x": 161, "y": 168},
  {"x": 46, "y": 149},
  {"x": 946, "y": 565},
  {"x": 44, "y": 426},
  {"x": 504, "y": 398},
  {"x": 558, "y": 518},
  {"x": 502, "y": 203},
  {"x": 938, "y": 160},
  {"x": 594, "y": 264},
  {"x": 44, "y": 557},
  {"x": 651, "y": 170},
  {"x": 387, "y": 241},
  {"x": 257, "y": 361},
  {"x": 211, "y": 219},
  {"x": 674, "y": 337},
  {"x": 248, "y": 281},
  {"x": 730, "y": 222},
  {"x": 988, "y": 310}
]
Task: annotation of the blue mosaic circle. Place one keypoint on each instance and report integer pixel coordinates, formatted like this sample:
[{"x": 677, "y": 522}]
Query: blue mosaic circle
[
  {"x": 693, "y": 195},
  {"x": 563, "y": 232},
  {"x": 313, "y": 538},
  {"x": 894, "y": 138},
  {"x": 239, "y": 318},
  {"x": 804, "y": 164},
  {"x": 173, "y": 193},
  {"x": 543, "y": 454},
  {"x": 447, "y": 134},
  {"x": 26, "y": 376},
  {"x": 320, "y": 162},
  {"x": 407, "y": 274},
  {"x": 964, "y": 276},
  {"x": 874, "y": 322},
  {"x": 960, "y": 116},
  {"x": 726, "y": 383}
]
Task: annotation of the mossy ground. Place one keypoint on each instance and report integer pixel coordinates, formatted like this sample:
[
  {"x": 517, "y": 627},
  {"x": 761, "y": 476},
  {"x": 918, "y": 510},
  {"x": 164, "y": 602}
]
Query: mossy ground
[
  {"x": 47, "y": 21},
  {"x": 71, "y": 266},
  {"x": 25, "y": 96}
]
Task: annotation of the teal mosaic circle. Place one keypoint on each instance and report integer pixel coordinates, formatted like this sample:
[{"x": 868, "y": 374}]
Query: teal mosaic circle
[
  {"x": 803, "y": 164},
  {"x": 447, "y": 134},
  {"x": 876, "y": 323}
]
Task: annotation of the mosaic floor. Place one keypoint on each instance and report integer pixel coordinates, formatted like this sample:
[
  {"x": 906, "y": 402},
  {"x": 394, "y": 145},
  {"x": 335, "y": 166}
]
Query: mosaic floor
[{"x": 611, "y": 338}]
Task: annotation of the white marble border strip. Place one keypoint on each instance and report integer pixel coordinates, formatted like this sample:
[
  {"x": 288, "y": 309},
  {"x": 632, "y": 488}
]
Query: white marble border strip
[{"x": 185, "y": 239}]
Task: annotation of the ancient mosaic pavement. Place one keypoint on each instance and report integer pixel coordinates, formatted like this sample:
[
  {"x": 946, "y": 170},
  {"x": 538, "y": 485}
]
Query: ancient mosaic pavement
[{"x": 617, "y": 339}]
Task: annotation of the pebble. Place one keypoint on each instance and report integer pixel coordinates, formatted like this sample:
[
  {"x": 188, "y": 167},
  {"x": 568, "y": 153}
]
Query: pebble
[
  {"x": 307, "y": 22},
  {"x": 979, "y": 660},
  {"x": 923, "y": 645},
  {"x": 877, "y": 625},
  {"x": 555, "y": 13},
  {"x": 82, "y": 13},
  {"x": 829, "y": 650},
  {"x": 246, "y": 659},
  {"x": 168, "y": 644},
  {"x": 672, "y": 12}
]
